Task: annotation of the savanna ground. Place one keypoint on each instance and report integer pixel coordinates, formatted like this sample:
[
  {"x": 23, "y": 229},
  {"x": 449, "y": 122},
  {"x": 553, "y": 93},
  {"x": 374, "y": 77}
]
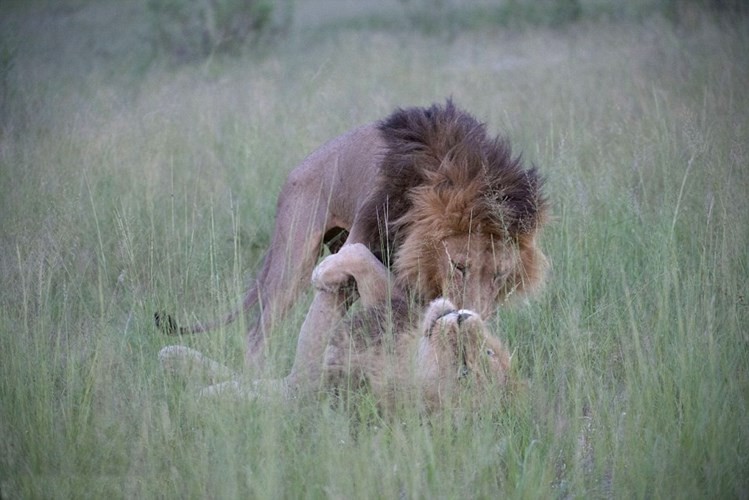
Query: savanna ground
[{"x": 130, "y": 183}]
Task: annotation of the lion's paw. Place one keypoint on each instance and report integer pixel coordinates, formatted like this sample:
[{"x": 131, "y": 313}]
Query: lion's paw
[
  {"x": 335, "y": 271},
  {"x": 329, "y": 277},
  {"x": 438, "y": 308}
]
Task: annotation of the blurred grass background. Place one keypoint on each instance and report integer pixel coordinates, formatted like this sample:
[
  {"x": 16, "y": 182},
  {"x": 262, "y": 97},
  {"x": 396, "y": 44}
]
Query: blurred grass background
[{"x": 136, "y": 176}]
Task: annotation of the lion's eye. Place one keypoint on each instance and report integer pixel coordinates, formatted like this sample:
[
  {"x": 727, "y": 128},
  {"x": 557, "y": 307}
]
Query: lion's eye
[{"x": 459, "y": 267}]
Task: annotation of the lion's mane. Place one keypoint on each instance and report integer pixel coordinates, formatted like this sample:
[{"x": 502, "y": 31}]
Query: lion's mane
[{"x": 443, "y": 175}]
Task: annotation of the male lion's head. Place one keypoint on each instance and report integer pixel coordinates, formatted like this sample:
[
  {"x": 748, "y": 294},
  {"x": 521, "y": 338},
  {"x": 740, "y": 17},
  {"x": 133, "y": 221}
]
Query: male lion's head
[
  {"x": 456, "y": 349},
  {"x": 458, "y": 214}
]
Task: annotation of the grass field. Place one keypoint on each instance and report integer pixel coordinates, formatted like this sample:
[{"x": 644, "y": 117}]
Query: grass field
[{"x": 129, "y": 184}]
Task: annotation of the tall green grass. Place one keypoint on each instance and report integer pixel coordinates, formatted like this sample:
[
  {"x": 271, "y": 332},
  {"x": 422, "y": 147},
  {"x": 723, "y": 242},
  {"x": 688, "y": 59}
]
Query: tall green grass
[{"x": 126, "y": 188}]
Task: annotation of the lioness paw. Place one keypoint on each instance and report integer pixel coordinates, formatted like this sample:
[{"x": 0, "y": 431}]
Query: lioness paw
[
  {"x": 339, "y": 269},
  {"x": 438, "y": 308},
  {"x": 331, "y": 275},
  {"x": 355, "y": 252}
]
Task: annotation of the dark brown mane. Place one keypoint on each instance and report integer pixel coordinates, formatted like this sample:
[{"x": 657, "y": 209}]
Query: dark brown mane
[{"x": 442, "y": 149}]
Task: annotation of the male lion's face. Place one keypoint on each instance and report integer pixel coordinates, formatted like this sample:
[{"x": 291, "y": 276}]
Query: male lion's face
[
  {"x": 456, "y": 348},
  {"x": 477, "y": 271}
]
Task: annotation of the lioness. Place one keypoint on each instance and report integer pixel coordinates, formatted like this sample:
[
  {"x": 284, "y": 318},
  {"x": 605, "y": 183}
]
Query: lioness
[
  {"x": 380, "y": 346},
  {"x": 437, "y": 200}
]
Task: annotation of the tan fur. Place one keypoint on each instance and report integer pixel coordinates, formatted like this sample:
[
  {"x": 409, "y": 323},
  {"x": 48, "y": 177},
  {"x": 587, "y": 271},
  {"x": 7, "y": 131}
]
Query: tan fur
[
  {"x": 441, "y": 203},
  {"x": 425, "y": 359},
  {"x": 429, "y": 356}
]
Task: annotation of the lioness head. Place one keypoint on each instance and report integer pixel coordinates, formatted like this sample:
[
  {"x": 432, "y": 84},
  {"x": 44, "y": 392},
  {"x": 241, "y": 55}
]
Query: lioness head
[{"x": 455, "y": 348}]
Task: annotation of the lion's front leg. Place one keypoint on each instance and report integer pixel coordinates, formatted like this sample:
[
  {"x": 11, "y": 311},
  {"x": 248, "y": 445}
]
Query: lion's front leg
[{"x": 373, "y": 280}]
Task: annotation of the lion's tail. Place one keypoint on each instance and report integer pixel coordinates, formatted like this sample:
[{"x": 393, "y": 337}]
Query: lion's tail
[{"x": 168, "y": 325}]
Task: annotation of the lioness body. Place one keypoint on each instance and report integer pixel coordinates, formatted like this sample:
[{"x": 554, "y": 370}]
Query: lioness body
[
  {"x": 442, "y": 204},
  {"x": 424, "y": 358}
]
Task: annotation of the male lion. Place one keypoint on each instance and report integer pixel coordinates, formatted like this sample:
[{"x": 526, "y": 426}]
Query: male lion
[
  {"x": 381, "y": 345},
  {"x": 436, "y": 199}
]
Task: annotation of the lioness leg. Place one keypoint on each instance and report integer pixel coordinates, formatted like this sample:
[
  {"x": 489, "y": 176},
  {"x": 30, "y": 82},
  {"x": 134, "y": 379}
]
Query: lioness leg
[
  {"x": 182, "y": 360},
  {"x": 323, "y": 318},
  {"x": 330, "y": 279}
]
